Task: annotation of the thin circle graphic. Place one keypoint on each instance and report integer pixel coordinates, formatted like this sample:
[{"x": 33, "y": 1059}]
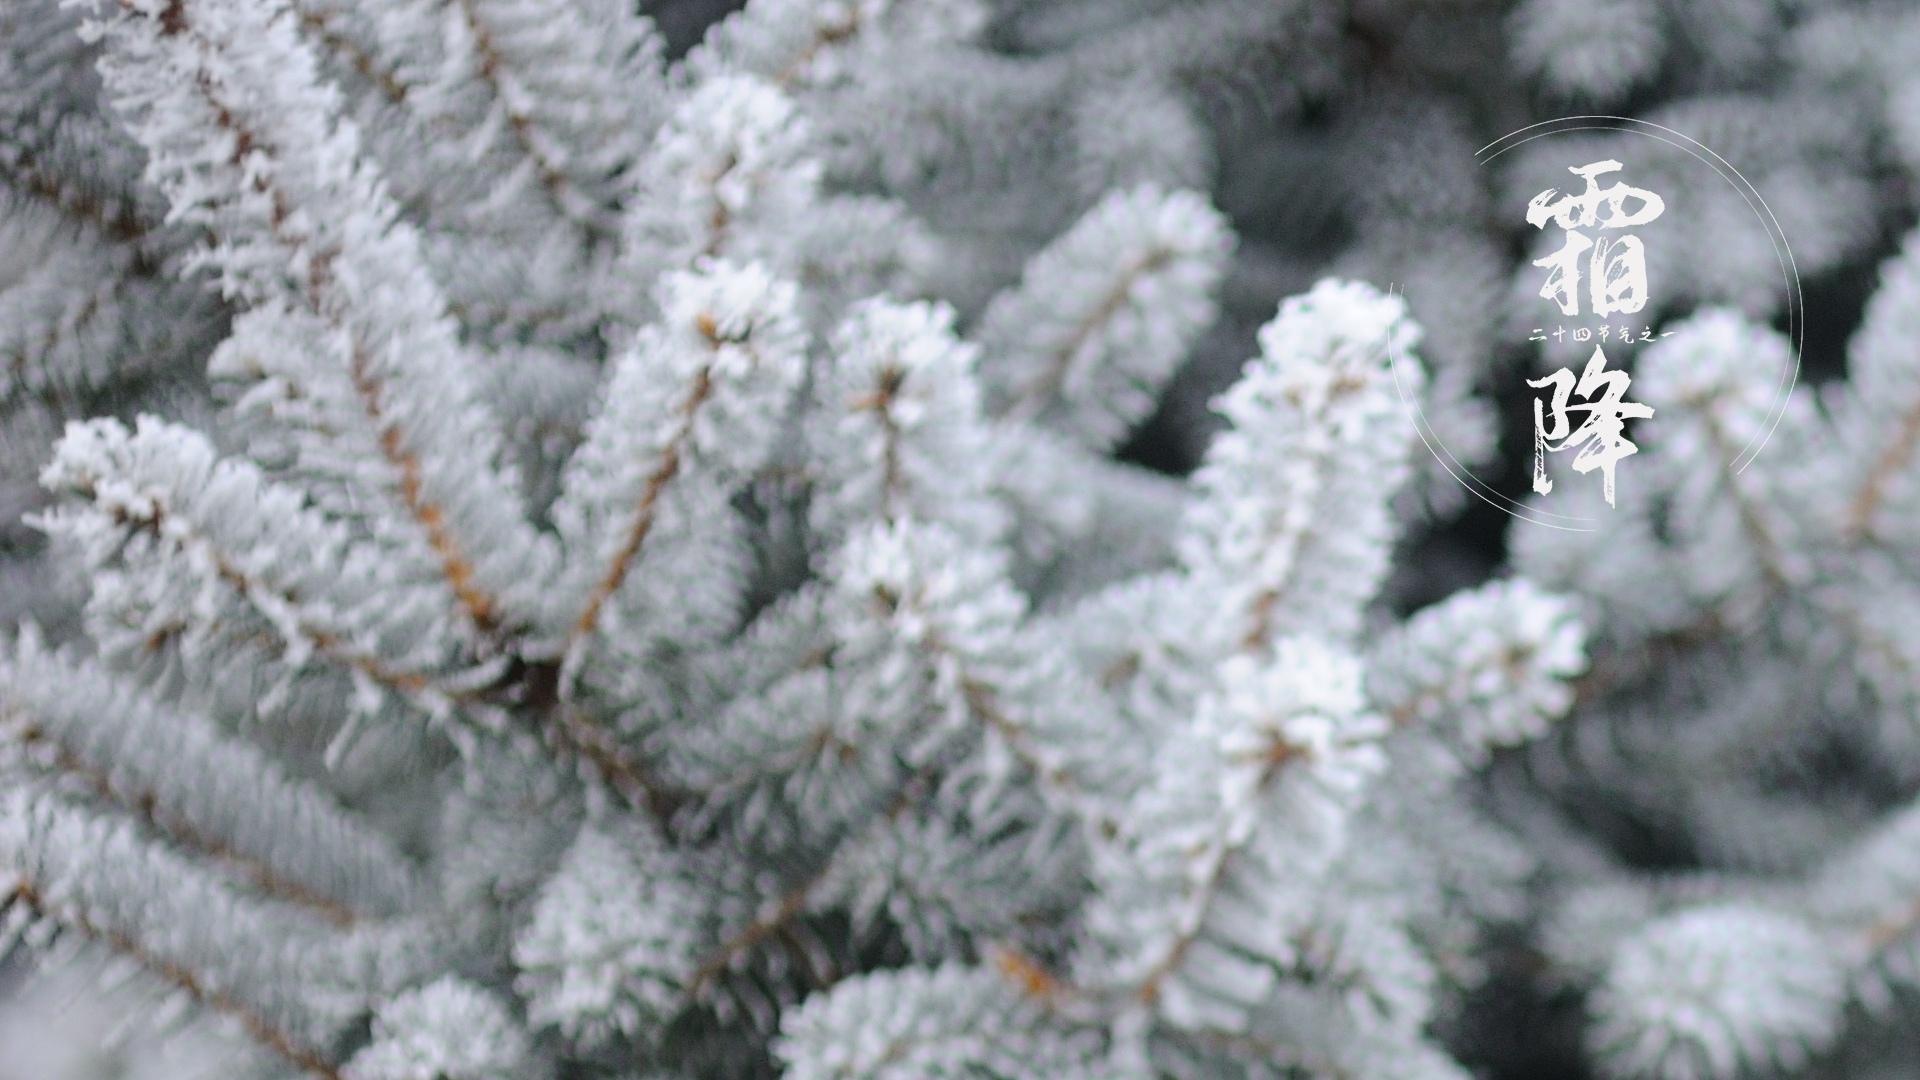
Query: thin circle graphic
[{"x": 1783, "y": 254}]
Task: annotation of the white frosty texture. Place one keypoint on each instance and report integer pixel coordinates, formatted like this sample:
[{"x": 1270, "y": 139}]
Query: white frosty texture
[
  {"x": 728, "y": 174},
  {"x": 914, "y": 1023},
  {"x": 446, "y": 1030},
  {"x": 1292, "y": 528},
  {"x": 1201, "y": 903},
  {"x": 1104, "y": 314},
  {"x": 612, "y": 938},
  {"x": 360, "y": 358},
  {"x": 1715, "y": 990},
  {"x": 181, "y": 771},
  {"x": 899, "y": 432},
  {"x": 810, "y": 44},
  {"x": 1483, "y": 669},
  {"x": 691, "y": 408},
  {"x": 1595, "y": 50}
]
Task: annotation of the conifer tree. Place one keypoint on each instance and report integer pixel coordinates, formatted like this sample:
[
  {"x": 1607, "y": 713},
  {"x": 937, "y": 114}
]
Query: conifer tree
[{"x": 580, "y": 555}]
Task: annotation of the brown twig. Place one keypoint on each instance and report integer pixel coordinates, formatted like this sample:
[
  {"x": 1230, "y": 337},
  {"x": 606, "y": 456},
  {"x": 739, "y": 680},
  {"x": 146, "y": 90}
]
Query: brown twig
[
  {"x": 646, "y": 513},
  {"x": 321, "y": 29},
  {"x": 1873, "y": 488},
  {"x": 560, "y": 189},
  {"x": 1047, "y": 385},
  {"x": 145, "y": 805},
  {"x": 324, "y": 642},
  {"x": 455, "y": 564},
  {"x": 795, "y": 901},
  {"x": 259, "y": 1027},
  {"x": 881, "y": 402}
]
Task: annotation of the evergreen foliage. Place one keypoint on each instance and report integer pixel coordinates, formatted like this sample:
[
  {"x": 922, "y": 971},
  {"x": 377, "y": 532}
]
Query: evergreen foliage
[{"x": 589, "y": 556}]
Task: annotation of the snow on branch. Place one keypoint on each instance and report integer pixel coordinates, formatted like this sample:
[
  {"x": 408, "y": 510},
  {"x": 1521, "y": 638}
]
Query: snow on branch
[
  {"x": 1105, "y": 314},
  {"x": 1291, "y": 528},
  {"x": 210, "y": 793},
  {"x": 290, "y": 983},
  {"x": 691, "y": 409},
  {"x": 185, "y": 543},
  {"x": 247, "y": 141},
  {"x": 898, "y": 431}
]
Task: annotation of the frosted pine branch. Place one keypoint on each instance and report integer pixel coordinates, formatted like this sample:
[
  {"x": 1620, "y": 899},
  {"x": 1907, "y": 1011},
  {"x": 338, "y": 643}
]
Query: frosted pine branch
[
  {"x": 1140, "y": 270},
  {"x": 247, "y": 141},
  {"x": 212, "y": 795},
  {"x": 1293, "y": 500}
]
